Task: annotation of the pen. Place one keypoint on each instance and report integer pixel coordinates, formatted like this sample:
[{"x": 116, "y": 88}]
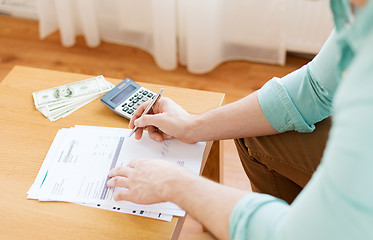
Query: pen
[{"x": 150, "y": 106}]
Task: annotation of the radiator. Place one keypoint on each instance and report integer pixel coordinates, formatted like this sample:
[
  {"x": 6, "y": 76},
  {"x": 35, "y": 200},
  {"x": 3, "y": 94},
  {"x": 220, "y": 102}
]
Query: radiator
[
  {"x": 308, "y": 25},
  {"x": 19, "y": 8}
]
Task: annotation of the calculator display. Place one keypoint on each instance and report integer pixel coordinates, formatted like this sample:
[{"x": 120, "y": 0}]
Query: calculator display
[{"x": 123, "y": 94}]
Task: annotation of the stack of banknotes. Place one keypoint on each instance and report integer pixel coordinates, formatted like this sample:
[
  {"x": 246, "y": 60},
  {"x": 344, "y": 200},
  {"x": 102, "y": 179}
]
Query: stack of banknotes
[{"x": 58, "y": 102}]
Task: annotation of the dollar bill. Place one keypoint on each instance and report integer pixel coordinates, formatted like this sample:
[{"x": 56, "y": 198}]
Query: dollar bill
[
  {"x": 49, "y": 111},
  {"x": 65, "y": 93},
  {"x": 67, "y": 112},
  {"x": 59, "y": 102}
]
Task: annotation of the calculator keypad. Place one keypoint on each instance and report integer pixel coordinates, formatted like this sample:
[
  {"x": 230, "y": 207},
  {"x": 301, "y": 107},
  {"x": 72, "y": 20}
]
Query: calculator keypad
[{"x": 130, "y": 105}]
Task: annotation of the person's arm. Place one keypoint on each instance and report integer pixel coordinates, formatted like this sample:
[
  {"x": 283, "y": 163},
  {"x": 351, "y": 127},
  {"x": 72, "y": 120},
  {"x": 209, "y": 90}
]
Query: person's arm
[
  {"x": 242, "y": 118},
  {"x": 208, "y": 202},
  {"x": 304, "y": 97},
  {"x": 337, "y": 203}
]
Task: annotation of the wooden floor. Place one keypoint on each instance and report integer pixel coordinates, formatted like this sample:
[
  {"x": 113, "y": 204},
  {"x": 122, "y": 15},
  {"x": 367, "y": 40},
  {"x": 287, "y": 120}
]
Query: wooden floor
[{"x": 20, "y": 45}]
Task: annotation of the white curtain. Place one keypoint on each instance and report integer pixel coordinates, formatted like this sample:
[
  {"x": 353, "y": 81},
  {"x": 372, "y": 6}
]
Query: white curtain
[{"x": 199, "y": 34}]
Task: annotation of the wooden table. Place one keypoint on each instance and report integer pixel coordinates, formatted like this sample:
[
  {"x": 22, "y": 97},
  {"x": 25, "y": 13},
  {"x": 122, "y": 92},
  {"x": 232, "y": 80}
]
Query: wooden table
[{"x": 25, "y": 138}]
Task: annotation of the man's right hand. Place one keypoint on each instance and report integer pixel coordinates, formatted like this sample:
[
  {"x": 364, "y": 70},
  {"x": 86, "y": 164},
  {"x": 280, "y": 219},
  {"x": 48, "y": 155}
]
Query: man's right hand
[{"x": 166, "y": 120}]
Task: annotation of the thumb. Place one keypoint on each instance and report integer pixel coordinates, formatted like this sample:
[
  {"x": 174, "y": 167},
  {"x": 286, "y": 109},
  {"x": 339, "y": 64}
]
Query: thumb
[
  {"x": 146, "y": 120},
  {"x": 122, "y": 195}
]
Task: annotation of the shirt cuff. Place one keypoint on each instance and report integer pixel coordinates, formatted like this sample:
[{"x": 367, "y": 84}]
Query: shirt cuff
[
  {"x": 256, "y": 216},
  {"x": 279, "y": 109}
]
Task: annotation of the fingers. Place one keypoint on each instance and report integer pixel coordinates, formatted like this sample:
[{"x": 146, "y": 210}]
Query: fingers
[
  {"x": 119, "y": 176},
  {"x": 138, "y": 133},
  {"x": 118, "y": 182},
  {"x": 142, "y": 122},
  {"x": 138, "y": 113},
  {"x": 166, "y": 136},
  {"x": 149, "y": 119},
  {"x": 156, "y": 121},
  {"x": 141, "y": 180},
  {"x": 120, "y": 171},
  {"x": 122, "y": 195},
  {"x": 155, "y": 134},
  {"x": 134, "y": 163},
  {"x": 156, "y": 109}
]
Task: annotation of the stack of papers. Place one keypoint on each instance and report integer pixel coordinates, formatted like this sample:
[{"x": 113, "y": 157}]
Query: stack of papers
[
  {"x": 78, "y": 162},
  {"x": 58, "y": 102}
]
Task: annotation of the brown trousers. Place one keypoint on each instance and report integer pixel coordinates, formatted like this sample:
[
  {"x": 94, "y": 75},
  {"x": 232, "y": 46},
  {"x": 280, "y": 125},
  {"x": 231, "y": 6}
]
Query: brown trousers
[{"x": 282, "y": 164}]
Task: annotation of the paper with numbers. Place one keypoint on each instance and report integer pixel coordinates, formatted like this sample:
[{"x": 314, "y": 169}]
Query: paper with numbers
[{"x": 77, "y": 164}]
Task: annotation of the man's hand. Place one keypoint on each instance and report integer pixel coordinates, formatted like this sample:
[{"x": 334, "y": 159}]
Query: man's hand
[
  {"x": 154, "y": 181},
  {"x": 166, "y": 121},
  {"x": 147, "y": 181}
]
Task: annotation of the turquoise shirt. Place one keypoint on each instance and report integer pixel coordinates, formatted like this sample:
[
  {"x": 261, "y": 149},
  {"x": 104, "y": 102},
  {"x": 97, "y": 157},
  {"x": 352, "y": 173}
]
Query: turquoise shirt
[{"x": 337, "y": 203}]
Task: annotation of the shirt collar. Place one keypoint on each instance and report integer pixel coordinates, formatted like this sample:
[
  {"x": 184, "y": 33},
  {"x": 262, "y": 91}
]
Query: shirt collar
[
  {"x": 352, "y": 31},
  {"x": 341, "y": 13}
]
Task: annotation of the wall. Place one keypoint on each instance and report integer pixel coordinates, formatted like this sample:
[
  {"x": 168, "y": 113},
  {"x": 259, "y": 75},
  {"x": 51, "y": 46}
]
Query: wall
[{"x": 19, "y": 8}]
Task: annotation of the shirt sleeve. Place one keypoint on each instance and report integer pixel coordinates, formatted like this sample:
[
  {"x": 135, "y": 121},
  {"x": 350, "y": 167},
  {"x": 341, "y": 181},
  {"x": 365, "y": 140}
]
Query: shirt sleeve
[
  {"x": 303, "y": 97},
  {"x": 337, "y": 203}
]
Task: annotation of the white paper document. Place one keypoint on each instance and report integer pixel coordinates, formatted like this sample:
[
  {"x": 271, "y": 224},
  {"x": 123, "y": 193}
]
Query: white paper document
[{"x": 78, "y": 162}]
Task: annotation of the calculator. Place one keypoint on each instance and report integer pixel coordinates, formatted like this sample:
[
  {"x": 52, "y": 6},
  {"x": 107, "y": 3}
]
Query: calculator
[{"x": 126, "y": 97}]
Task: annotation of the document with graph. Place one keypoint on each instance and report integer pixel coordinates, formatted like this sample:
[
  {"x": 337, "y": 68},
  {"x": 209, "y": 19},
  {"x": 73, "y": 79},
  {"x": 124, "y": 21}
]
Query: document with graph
[{"x": 77, "y": 164}]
